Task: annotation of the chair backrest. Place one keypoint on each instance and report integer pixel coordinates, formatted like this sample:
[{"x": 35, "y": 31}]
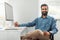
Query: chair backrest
[{"x": 52, "y": 37}]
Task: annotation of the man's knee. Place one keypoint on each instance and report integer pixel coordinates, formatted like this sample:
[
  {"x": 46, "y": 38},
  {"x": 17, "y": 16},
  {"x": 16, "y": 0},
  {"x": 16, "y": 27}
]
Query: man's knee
[{"x": 39, "y": 32}]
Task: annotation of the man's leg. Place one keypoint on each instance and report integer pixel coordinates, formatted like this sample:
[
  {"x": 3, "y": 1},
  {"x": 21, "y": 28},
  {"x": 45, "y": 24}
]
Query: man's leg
[
  {"x": 33, "y": 35},
  {"x": 36, "y": 35}
]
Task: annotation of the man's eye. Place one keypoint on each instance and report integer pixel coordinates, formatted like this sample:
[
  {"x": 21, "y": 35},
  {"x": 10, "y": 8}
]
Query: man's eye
[{"x": 45, "y": 9}]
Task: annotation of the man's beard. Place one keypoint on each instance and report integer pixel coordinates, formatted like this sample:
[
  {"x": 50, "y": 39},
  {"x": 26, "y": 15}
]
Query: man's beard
[{"x": 44, "y": 13}]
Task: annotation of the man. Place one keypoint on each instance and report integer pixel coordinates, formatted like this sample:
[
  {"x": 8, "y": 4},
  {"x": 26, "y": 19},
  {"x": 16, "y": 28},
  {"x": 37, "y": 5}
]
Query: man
[{"x": 45, "y": 23}]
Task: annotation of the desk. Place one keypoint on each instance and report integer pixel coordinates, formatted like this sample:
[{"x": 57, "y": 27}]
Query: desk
[{"x": 11, "y": 34}]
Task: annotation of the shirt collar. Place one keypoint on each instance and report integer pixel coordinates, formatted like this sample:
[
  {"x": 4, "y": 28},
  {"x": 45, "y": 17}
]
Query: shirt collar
[{"x": 46, "y": 16}]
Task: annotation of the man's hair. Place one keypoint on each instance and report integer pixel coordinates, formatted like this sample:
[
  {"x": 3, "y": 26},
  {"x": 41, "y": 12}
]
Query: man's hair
[{"x": 44, "y": 5}]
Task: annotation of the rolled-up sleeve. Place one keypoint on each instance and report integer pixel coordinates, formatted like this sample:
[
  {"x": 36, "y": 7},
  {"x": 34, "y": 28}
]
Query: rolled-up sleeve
[{"x": 53, "y": 27}]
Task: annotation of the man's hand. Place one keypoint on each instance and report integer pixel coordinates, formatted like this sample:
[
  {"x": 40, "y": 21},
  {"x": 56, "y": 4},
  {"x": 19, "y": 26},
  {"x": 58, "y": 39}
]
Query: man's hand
[
  {"x": 46, "y": 33},
  {"x": 16, "y": 24}
]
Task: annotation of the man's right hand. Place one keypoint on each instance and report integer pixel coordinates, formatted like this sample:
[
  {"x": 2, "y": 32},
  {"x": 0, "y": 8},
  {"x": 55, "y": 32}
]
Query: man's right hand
[
  {"x": 16, "y": 24},
  {"x": 46, "y": 34}
]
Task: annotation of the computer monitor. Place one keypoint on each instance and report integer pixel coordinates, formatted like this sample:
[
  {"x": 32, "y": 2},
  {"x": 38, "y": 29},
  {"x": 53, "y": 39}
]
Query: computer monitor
[{"x": 8, "y": 12}]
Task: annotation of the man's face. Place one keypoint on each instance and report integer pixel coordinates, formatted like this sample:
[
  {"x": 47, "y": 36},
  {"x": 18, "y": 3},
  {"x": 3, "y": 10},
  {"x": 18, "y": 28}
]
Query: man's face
[{"x": 44, "y": 10}]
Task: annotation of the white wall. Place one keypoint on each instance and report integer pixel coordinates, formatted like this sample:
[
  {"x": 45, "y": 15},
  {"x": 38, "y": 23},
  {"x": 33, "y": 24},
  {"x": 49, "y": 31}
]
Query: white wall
[
  {"x": 2, "y": 14},
  {"x": 57, "y": 36},
  {"x": 2, "y": 10}
]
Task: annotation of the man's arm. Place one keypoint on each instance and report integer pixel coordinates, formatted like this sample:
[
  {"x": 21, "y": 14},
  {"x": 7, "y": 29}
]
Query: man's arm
[
  {"x": 30, "y": 24},
  {"x": 53, "y": 27}
]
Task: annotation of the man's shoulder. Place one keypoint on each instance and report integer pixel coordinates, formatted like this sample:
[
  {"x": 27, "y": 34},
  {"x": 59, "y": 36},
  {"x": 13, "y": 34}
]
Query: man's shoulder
[{"x": 50, "y": 17}]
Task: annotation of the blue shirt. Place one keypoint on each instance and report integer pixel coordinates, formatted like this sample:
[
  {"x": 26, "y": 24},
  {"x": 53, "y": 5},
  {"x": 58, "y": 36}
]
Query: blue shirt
[{"x": 44, "y": 24}]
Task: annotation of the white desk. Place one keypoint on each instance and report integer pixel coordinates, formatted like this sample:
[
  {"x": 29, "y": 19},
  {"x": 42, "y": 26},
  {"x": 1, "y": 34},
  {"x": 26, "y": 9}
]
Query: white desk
[{"x": 11, "y": 34}]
